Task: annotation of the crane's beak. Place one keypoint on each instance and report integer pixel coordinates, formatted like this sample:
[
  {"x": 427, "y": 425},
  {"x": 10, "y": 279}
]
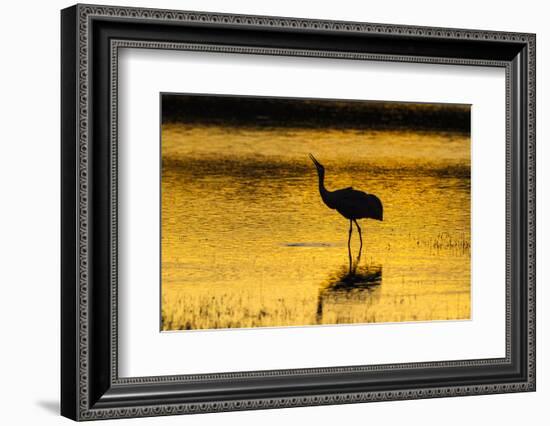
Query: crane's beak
[{"x": 317, "y": 164}]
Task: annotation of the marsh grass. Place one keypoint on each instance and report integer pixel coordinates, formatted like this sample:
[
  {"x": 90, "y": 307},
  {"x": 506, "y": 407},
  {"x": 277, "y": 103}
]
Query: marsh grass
[
  {"x": 199, "y": 309},
  {"x": 458, "y": 243}
]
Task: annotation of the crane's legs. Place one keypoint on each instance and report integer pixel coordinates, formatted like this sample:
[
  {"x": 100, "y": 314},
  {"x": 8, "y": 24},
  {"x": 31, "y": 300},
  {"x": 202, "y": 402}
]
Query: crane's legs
[
  {"x": 360, "y": 241},
  {"x": 349, "y": 244}
]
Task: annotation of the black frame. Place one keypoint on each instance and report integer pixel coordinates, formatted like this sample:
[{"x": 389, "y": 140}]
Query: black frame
[{"x": 91, "y": 37}]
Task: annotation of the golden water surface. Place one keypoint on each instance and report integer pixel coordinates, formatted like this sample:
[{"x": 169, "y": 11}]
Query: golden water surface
[{"x": 248, "y": 242}]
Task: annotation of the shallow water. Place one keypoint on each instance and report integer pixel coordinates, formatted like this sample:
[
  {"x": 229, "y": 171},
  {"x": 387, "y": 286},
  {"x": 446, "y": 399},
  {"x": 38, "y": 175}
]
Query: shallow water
[{"x": 247, "y": 241}]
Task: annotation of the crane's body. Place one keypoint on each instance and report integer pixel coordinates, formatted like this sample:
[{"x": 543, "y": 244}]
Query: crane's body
[
  {"x": 353, "y": 204},
  {"x": 350, "y": 203}
]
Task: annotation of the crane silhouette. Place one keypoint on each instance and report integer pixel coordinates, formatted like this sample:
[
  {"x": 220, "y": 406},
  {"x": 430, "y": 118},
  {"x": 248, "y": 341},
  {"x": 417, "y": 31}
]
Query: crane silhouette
[{"x": 350, "y": 203}]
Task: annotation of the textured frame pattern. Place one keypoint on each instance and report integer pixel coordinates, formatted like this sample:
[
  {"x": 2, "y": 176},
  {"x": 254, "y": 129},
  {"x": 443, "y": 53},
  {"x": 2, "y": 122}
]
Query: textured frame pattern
[{"x": 85, "y": 14}]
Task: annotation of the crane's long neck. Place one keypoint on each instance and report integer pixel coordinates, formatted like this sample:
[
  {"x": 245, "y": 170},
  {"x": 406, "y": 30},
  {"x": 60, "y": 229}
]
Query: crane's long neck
[{"x": 322, "y": 190}]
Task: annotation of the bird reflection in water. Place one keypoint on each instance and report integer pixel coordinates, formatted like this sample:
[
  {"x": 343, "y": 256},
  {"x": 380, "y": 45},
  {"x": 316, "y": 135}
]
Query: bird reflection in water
[{"x": 345, "y": 289}]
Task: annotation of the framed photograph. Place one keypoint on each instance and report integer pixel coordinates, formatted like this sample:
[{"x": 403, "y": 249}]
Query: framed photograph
[{"x": 263, "y": 212}]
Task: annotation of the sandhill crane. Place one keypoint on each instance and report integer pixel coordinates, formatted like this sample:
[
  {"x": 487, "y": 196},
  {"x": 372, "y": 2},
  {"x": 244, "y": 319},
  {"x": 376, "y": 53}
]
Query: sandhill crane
[{"x": 350, "y": 203}]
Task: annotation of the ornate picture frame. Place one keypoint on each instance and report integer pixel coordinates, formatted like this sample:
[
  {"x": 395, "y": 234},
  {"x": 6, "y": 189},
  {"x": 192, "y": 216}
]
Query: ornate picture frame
[{"x": 91, "y": 39}]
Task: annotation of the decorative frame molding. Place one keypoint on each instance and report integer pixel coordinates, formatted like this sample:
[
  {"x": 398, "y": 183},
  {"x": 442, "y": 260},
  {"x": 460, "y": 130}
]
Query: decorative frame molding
[{"x": 91, "y": 388}]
